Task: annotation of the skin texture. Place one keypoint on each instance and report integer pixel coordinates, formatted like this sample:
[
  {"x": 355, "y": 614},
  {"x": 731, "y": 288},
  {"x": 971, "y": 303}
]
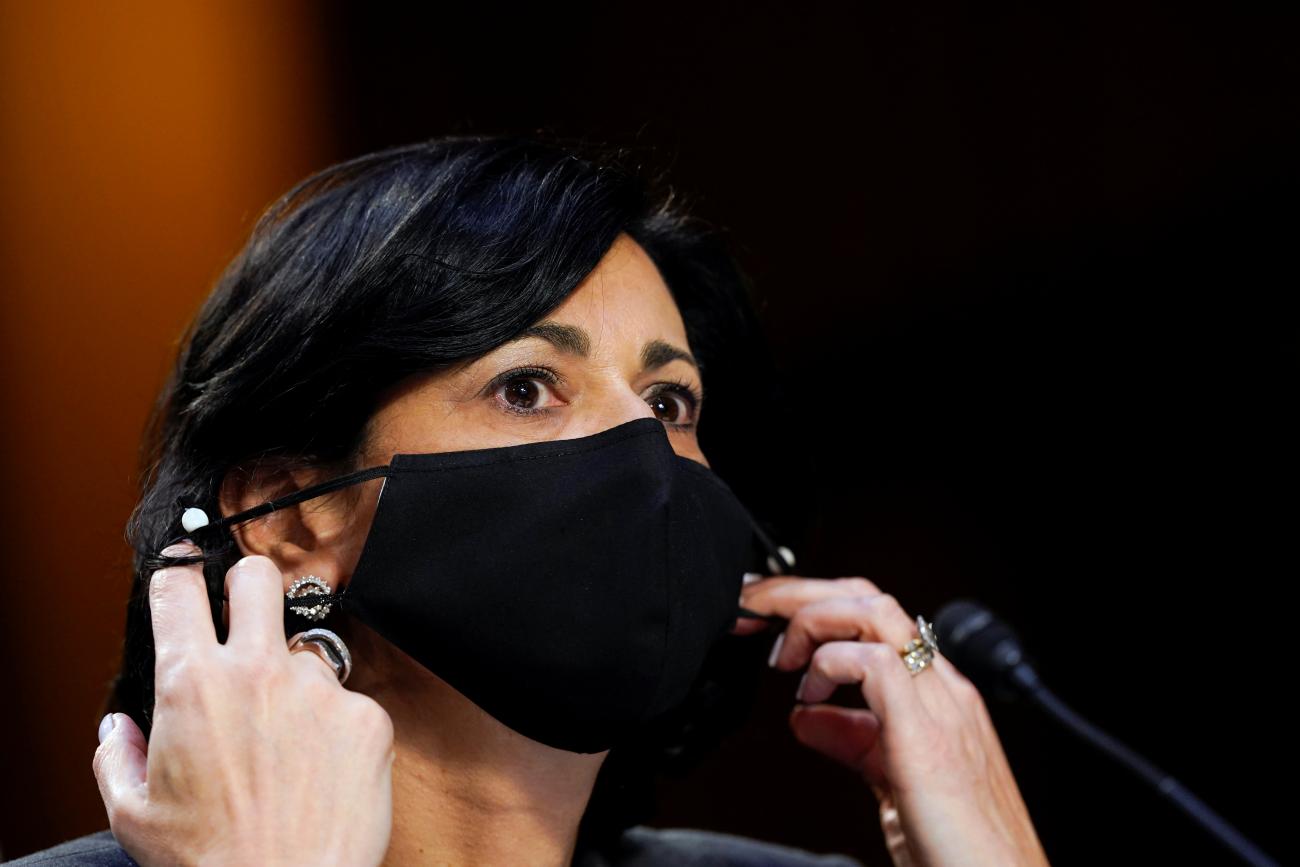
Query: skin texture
[{"x": 464, "y": 788}]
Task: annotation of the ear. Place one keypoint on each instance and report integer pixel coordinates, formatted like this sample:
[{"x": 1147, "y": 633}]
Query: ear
[{"x": 311, "y": 538}]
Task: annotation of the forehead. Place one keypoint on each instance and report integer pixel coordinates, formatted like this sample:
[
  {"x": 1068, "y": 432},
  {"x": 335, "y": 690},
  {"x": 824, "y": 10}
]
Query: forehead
[{"x": 624, "y": 297}]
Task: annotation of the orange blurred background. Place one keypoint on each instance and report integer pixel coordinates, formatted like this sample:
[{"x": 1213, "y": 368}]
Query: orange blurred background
[{"x": 138, "y": 142}]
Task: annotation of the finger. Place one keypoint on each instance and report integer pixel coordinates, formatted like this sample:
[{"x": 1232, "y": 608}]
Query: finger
[
  {"x": 847, "y": 735},
  {"x": 886, "y": 682},
  {"x": 255, "y": 586},
  {"x": 783, "y": 595},
  {"x": 746, "y": 625},
  {"x": 876, "y": 617},
  {"x": 178, "y": 605},
  {"x": 119, "y": 765}
]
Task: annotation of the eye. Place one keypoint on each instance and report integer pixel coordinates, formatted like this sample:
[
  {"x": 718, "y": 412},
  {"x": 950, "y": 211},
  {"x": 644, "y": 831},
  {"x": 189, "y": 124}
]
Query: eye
[
  {"x": 676, "y": 403},
  {"x": 525, "y": 391}
]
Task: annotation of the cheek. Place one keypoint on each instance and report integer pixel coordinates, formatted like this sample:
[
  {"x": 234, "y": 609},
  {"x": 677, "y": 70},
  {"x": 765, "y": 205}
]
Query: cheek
[{"x": 438, "y": 424}]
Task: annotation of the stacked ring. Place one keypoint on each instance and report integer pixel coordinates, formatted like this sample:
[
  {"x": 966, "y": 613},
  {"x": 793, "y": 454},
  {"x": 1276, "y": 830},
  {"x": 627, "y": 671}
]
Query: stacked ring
[
  {"x": 918, "y": 653},
  {"x": 328, "y": 646}
]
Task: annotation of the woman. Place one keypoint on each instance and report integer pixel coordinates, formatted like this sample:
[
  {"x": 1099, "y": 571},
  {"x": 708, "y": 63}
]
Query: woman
[{"x": 506, "y": 341}]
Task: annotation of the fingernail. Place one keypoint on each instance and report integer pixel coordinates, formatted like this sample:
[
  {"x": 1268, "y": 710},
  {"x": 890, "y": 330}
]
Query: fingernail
[
  {"x": 776, "y": 650},
  {"x": 183, "y": 548},
  {"x": 750, "y": 578},
  {"x": 106, "y": 725},
  {"x": 798, "y": 693}
]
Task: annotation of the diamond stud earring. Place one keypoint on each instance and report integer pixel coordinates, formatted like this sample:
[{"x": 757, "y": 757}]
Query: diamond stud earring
[{"x": 305, "y": 587}]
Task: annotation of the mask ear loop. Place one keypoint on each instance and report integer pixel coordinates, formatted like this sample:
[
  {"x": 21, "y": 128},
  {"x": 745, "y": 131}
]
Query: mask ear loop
[{"x": 195, "y": 519}]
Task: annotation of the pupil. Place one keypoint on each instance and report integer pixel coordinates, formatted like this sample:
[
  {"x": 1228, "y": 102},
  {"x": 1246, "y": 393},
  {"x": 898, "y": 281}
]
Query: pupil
[
  {"x": 661, "y": 407},
  {"x": 525, "y": 391}
]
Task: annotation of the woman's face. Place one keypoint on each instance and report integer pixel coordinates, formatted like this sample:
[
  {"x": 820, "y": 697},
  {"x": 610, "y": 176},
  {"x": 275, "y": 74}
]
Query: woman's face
[{"x": 614, "y": 351}]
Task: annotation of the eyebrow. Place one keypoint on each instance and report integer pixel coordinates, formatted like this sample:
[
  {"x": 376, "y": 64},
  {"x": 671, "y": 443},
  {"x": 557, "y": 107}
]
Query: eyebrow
[{"x": 572, "y": 340}]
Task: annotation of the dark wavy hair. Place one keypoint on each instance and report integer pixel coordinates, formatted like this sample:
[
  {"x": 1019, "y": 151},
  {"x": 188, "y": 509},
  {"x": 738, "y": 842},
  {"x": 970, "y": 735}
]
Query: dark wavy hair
[{"x": 405, "y": 261}]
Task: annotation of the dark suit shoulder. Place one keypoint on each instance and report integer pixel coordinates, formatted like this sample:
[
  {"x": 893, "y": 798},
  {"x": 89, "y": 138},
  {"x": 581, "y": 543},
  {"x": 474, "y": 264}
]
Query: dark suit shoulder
[
  {"x": 643, "y": 846},
  {"x": 93, "y": 850},
  {"x": 640, "y": 846}
]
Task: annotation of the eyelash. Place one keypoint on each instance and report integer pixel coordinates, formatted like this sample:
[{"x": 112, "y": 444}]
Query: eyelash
[{"x": 694, "y": 395}]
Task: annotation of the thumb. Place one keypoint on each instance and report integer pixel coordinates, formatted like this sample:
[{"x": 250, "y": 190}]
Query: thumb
[{"x": 120, "y": 762}]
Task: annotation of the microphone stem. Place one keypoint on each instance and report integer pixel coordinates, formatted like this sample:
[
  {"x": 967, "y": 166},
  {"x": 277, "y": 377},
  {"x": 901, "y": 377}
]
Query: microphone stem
[{"x": 1166, "y": 785}]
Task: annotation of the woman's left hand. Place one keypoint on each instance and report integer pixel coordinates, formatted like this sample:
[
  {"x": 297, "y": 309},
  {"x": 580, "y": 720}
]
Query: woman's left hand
[{"x": 926, "y": 746}]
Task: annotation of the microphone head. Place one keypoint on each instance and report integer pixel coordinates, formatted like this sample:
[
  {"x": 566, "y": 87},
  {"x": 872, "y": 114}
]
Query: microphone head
[{"x": 984, "y": 648}]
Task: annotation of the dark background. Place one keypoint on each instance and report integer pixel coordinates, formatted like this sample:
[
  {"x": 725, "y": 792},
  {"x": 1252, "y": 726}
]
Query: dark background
[{"x": 1030, "y": 277}]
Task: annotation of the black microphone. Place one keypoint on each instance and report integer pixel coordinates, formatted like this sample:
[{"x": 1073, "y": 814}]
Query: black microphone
[{"x": 987, "y": 650}]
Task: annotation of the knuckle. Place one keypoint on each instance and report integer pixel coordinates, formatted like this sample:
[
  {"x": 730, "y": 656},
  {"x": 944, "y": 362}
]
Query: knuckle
[
  {"x": 824, "y": 655},
  {"x": 373, "y": 721},
  {"x": 176, "y": 676},
  {"x": 888, "y": 601},
  {"x": 170, "y": 576},
  {"x": 888, "y": 605},
  {"x": 800, "y": 618},
  {"x": 381, "y": 724},
  {"x": 159, "y": 582},
  {"x": 878, "y": 654},
  {"x": 252, "y": 566},
  {"x": 165, "y": 582},
  {"x": 967, "y": 692},
  {"x": 858, "y": 584}
]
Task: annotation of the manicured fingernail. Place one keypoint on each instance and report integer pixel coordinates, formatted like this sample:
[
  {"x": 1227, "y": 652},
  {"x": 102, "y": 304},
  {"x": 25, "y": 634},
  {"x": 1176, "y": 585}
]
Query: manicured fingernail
[
  {"x": 776, "y": 650},
  {"x": 750, "y": 578},
  {"x": 183, "y": 548},
  {"x": 798, "y": 693},
  {"x": 106, "y": 725}
]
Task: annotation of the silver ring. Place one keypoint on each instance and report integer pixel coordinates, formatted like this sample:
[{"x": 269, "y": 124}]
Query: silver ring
[
  {"x": 918, "y": 653},
  {"x": 332, "y": 649}
]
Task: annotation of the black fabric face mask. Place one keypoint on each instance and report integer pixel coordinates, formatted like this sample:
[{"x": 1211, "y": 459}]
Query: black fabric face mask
[{"x": 570, "y": 588}]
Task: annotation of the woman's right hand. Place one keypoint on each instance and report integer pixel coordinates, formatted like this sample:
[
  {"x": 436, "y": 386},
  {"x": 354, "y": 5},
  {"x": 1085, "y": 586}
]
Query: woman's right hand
[{"x": 257, "y": 755}]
